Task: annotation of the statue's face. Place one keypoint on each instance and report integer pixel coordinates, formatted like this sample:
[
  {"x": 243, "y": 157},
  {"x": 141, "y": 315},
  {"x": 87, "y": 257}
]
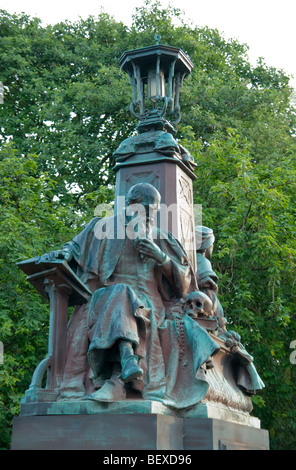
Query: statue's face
[
  {"x": 143, "y": 203},
  {"x": 142, "y": 214}
]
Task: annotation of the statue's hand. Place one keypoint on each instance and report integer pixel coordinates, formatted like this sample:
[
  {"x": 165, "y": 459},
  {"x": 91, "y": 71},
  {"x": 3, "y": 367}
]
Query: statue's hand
[
  {"x": 149, "y": 249},
  {"x": 54, "y": 255}
]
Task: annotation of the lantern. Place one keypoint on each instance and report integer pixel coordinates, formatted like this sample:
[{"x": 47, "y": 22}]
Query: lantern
[{"x": 156, "y": 74}]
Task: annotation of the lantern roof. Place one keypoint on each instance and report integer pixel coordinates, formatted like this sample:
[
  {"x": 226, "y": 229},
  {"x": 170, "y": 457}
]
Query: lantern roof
[{"x": 145, "y": 58}]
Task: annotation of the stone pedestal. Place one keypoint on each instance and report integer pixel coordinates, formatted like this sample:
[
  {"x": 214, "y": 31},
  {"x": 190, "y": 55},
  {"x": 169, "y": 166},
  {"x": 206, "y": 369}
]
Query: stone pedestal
[
  {"x": 221, "y": 421},
  {"x": 173, "y": 179},
  {"x": 134, "y": 425},
  {"x": 93, "y": 432},
  {"x": 215, "y": 434}
]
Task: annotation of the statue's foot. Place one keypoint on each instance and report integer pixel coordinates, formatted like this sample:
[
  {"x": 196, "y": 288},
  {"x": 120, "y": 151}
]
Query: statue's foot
[
  {"x": 112, "y": 390},
  {"x": 131, "y": 369}
]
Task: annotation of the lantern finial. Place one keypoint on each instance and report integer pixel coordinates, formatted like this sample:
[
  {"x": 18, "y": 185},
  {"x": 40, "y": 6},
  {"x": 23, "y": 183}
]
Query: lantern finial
[{"x": 157, "y": 38}]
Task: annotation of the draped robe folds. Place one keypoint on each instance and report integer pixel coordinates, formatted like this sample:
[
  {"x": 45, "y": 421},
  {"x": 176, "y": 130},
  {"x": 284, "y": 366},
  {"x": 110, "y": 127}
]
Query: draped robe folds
[
  {"x": 247, "y": 378},
  {"x": 131, "y": 297}
]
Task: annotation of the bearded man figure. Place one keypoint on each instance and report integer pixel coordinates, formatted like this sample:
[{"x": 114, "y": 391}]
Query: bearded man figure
[{"x": 137, "y": 273}]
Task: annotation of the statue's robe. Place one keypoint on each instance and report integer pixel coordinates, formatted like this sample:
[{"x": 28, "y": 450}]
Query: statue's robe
[
  {"x": 131, "y": 297},
  {"x": 207, "y": 282}
]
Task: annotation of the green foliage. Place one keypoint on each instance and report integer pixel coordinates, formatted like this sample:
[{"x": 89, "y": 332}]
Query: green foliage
[
  {"x": 65, "y": 111},
  {"x": 59, "y": 104},
  {"x": 30, "y": 224},
  {"x": 252, "y": 206}
]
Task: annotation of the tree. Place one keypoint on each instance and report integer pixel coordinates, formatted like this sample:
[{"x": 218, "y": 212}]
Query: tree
[
  {"x": 58, "y": 103},
  {"x": 252, "y": 207},
  {"x": 30, "y": 222},
  {"x": 65, "y": 111}
]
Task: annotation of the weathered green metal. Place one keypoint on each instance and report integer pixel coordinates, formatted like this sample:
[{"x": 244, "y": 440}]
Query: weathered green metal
[
  {"x": 168, "y": 62},
  {"x": 145, "y": 57}
]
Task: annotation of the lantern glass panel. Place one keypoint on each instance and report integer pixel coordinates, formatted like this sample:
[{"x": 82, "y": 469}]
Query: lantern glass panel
[{"x": 156, "y": 85}]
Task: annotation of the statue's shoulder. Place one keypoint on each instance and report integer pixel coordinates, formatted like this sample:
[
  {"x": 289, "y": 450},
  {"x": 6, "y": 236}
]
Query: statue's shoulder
[
  {"x": 159, "y": 233},
  {"x": 95, "y": 224},
  {"x": 104, "y": 225},
  {"x": 103, "y": 220},
  {"x": 167, "y": 237}
]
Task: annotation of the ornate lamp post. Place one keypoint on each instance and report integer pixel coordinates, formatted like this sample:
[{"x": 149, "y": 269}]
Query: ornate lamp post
[{"x": 156, "y": 74}]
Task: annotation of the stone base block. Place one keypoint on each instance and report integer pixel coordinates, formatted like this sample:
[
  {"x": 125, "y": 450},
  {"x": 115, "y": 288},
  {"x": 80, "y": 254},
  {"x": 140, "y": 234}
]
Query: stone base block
[
  {"x": 158, "y": 430},
  {"x": 215, "y": 434},
  {"x": 97, "y": 432}
]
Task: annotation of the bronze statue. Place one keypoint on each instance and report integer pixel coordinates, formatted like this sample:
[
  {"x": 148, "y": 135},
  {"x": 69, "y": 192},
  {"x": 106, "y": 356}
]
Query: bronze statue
[
  {"x": 147, "y": 325},
  {"x": 126, "y": 333}
]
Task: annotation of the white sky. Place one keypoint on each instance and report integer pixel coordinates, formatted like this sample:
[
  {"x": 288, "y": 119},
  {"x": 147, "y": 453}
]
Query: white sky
[{"x": 268, "y": 27}]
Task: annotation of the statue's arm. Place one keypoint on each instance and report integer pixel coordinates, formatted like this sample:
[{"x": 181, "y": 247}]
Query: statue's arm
[
  {"x": 167, "y": 269},
  {"x": 72, "y": 249},
  {"x": 176, "y": 266}
]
